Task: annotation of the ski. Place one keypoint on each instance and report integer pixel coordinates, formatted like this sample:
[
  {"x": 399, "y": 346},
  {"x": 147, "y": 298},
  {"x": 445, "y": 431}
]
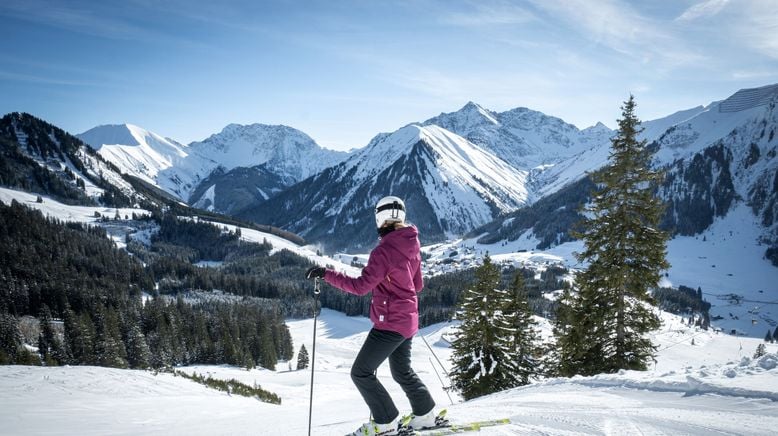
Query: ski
[{"x": 459, "y": 428}]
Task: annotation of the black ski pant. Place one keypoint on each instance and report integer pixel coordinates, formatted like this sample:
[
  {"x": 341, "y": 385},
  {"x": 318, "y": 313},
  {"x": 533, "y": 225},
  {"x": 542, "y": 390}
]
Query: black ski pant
[{"x": 380, "y": 345}]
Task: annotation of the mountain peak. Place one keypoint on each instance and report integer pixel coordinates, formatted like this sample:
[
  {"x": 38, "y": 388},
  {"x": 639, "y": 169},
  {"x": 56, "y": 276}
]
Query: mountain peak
[
  {"x": 597, "y": 128},
  {"x": 111, "y": 134},
  {"x": 471, "y": 105},
  {"x": 470, "y": 116}
]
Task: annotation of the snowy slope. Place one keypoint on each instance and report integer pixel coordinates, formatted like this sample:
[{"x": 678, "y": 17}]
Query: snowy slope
[
  {"x": 712, "y": 387},
  {"x": 134, "y": 150},
  {"x": 703, "y": 130},
  {"x": 64, "y": 212},
  {"x": 118, "y": 229}
]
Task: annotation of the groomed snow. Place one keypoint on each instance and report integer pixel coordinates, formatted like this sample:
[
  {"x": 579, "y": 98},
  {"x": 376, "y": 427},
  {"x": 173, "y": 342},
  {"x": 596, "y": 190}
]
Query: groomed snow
[{"x": 712, "y": 387}]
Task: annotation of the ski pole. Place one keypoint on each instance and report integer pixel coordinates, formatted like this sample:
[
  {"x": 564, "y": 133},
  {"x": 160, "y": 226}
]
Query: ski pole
[
  {"x": 316, "y": 292},
  {"x": 441, "y": 381},
  {"x": 436, "y": 356},
  {"x": 441, "y": 367}
]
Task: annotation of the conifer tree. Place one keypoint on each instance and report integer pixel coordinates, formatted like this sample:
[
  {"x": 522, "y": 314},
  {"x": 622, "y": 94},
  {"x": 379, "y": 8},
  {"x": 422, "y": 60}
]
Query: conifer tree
[
  {"x": 302, "y": 358},
  {"x": 520, "y": 330},
  {"x": 565, "y": 357},
  {"x": 10, "y": 339},
  {"x": 481, "y": 356},
  {"x": 268, "y": 358},
  {"x": 109, "y": 349},
  {"x": 768, "y": 337},
  {"x": 761, "y": 350},
  {"x": 79, "y": 337},
  {"x": 775, "y": 335},
  {"x": 283, "y": 340},
  {"x": 138, "y": 353},
  {"x": 625, "y": 252},
  {"x": 49, "y": 346}
]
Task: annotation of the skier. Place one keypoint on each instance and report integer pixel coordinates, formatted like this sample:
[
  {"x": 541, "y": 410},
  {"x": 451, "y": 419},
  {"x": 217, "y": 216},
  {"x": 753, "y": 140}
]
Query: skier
[{"x": 393, "y": 273}]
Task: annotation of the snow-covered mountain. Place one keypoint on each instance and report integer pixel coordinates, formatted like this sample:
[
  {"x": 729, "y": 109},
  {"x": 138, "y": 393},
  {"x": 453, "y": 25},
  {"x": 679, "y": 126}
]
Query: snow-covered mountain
[
  {"x": 135, "y": 151},
  {"x": 550, "y": 178},
  {"x": 716, "y": 159},
  {"x": 284, "y": 152},
  {"x": 522, "y": 137},
  {"x": 449, "y": 184},
  {"x": 287, "y": 152},
  {"x": 236, "y": 168}
]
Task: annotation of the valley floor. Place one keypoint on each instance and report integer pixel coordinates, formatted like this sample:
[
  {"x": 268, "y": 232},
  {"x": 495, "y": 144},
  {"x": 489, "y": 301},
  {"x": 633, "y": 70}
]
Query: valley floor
[{"x": 712, "y": 386}]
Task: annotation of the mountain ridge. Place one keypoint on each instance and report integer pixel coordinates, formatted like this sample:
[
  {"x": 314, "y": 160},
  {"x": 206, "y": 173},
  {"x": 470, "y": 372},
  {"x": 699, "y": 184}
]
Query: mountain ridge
[{"x": 432, "y": 169}]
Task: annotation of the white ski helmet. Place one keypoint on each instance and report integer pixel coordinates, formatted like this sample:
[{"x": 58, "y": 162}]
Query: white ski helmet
[{"x": 389, "y": 209}]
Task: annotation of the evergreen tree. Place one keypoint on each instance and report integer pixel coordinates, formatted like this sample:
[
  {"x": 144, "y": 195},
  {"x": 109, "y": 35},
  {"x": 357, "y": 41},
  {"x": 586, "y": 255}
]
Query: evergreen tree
[
  {"x": 775, "y": 335},
  {"x": 521, "y": 332},
  {"x": 268, "y": 358},
  {"x": 567, "y": 339},
  {"x": 109, "y": 349},
  {"x": 283, "y": 340},
  {"x": 79, "y": 337},
  {"x": 705, "y": 324},
  {"x": 49, "y": 346},
  {"x": 302, "y": 358},
  {"x": 10, "y": 339},
  {"x": 768, "y": 337},
  {"x": 761, "y": 350},
  {"x": 138, "y": 353},
  {"x": 626, "y": 253},
  {"x": 481, "y": 354}
]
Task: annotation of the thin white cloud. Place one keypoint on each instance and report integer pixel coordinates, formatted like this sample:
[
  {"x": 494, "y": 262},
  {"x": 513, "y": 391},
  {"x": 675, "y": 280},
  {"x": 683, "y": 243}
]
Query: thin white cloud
[
  {"x": 704, "y": 9},
  {"x": 618, "y": 26},
  {"x": 759, "y": 27},
  {"x": 103, "y": 20},
  {"x": 64, "y": 16},
  {"x": 489, "y": 14},
  {"x": 753, "y": 74},
  {"x": 31, "y": 78}
]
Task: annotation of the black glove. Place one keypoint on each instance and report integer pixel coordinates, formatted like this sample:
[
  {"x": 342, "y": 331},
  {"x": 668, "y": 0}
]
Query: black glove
[{"x": 315, "y": 272}]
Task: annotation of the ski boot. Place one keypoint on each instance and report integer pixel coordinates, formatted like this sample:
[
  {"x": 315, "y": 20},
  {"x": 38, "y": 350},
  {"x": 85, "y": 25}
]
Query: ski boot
[
  {"x": 410, "y": 424},
  {"x": 374, "y": 429}
]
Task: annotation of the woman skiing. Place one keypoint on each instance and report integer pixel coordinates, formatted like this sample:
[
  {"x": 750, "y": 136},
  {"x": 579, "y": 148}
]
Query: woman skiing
[{"x": 393, "y": 273}]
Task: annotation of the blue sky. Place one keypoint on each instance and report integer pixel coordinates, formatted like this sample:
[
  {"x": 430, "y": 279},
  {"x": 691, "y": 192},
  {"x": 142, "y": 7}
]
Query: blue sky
[{"x": 342, "y": 71}]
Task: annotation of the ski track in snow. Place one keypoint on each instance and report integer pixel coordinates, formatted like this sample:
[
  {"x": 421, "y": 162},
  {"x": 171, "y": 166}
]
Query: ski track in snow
[{"x": 722, "y": 392}]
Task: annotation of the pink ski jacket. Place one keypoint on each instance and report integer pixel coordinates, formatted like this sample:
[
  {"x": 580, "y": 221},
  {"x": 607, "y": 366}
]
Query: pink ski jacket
[{"x": 393, "y": 273}]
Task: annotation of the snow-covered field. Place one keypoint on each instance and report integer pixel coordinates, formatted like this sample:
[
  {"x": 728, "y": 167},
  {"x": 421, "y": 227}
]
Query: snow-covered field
[{"x": 711, "y": 387}]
